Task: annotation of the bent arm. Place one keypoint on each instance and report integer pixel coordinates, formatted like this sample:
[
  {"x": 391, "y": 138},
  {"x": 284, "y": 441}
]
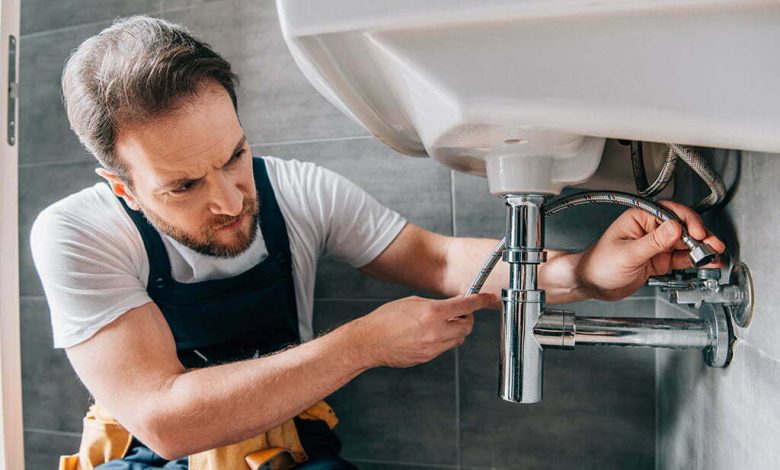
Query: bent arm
[
  {"x": 446, "y": 266},
  {"x": 131, "y": 367}
]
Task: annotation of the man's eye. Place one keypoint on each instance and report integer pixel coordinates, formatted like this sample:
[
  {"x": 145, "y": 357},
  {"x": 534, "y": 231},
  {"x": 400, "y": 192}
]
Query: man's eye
[
  {"x": 183, "y": 188},
  {"x": 237, "y": 156}
]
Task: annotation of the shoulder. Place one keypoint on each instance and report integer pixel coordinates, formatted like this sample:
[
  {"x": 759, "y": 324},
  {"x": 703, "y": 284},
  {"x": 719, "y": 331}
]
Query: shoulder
[
  {"x": 94, "y": 209},
  {"x": 283, "y": 173},
  {"x": 90, "y": 220}
]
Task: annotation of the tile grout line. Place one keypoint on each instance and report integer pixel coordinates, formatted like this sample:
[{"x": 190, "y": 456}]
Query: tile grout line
[
  {"x": 32, "y": 297},
  {"x": 52, "y": 432},
  {"x": 454, "y": 230},
  {"x": 656, "y": 419},
  {"x": 74, "y": 27},
  {"x": 57, "y": 163},
  {"x": 252, "y": 144},
  {"x": 416, "y": 464},
  {"x": 190, "y": 7},
  {"x": 311, "y": 141}
]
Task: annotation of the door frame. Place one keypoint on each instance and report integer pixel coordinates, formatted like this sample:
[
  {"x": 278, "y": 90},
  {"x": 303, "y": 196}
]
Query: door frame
[{"x": 11, "y": 423}]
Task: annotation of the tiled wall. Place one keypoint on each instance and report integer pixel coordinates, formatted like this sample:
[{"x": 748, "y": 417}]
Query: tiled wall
[
  {"x": 722, "y": 419},
  {"x": 598, "y": 410}
]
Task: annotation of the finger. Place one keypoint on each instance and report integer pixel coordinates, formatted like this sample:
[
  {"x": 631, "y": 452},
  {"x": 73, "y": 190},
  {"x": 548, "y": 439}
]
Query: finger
[
  {"x": 468, "y": 317},
  {"x": 715, "y": 242},
  {"x": 460, "y": 305},
  {"x": 459, "y": 329},
  {"x": 680, "y": 260},
  {"x": 692, "y": 220},
  {"x": 660, "y": 240}
]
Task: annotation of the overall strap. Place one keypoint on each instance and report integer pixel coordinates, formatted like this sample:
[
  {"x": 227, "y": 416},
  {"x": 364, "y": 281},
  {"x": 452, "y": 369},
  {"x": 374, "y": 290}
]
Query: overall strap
[{"x": 272, "y": 224}]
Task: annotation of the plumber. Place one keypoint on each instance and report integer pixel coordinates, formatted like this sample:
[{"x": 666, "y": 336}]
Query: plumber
[{"x": 182, "y": 287}]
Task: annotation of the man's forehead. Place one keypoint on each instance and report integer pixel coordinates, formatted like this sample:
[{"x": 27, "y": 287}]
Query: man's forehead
[{"x": 200, "y": 133}]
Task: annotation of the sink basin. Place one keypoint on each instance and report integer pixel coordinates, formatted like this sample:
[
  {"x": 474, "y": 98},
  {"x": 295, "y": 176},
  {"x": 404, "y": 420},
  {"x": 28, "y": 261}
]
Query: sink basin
[{"x": 526, "y": 91}]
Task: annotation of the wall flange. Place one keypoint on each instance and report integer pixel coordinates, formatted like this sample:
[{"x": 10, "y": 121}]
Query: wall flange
[{"x": 742, "y": 313}]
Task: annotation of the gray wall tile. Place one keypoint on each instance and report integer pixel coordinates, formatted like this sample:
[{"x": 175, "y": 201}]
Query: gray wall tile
[
  {"x": 44, "y": 132},
  {"x": 54, "y": 398},
  {"x": 42, "y": 450},
  {"x": 424, "y": 200},
  {"x": 405, "y": 415},
  {"x": 40, "y": 186},
  {"x": 43, "y": 15},
  {"x": 718, "y": 418},
  {"x": 597, "y": 410},
  {"x": 726, "y": 418},
  {"x": 276, "y": 103},
  {"x": 750, "y": 223}
]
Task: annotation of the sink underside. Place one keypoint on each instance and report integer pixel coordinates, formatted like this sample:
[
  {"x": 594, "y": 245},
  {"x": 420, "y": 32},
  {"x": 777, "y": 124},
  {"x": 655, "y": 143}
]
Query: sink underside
[{"x": 469, "y": 81}]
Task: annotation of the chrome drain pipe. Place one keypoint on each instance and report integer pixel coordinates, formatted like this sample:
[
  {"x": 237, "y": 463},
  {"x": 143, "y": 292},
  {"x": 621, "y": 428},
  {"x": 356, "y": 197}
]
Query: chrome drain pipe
[
  {"x": 561, "y": 329},
  {"x": 520, "y": 358}
]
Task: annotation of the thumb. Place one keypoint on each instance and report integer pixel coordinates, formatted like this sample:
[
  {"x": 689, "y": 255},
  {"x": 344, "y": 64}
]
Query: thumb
[{"x": 660, "y": 240}]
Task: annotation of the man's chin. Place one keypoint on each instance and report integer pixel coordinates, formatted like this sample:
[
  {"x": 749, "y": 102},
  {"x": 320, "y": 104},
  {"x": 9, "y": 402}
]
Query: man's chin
[{"x": 232, "y": 243}]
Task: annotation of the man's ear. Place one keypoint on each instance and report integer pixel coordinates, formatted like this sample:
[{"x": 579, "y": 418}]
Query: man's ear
[{"x": 119, "y": 187}]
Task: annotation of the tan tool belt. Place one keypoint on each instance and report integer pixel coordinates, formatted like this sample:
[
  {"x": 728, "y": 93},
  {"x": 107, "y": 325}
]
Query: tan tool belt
[{"x": 280, "y": 448}]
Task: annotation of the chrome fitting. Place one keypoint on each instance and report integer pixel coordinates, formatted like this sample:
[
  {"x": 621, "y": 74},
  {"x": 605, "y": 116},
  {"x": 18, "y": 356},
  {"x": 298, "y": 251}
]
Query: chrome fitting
[{"x": 701, "y": 253}]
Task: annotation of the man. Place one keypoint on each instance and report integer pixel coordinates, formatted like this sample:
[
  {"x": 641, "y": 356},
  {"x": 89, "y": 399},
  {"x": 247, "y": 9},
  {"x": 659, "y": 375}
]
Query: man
[{"x": 179, "y": 288}]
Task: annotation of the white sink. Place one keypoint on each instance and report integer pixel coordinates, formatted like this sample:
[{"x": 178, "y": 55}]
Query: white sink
[{"x": 529, "y": 89}]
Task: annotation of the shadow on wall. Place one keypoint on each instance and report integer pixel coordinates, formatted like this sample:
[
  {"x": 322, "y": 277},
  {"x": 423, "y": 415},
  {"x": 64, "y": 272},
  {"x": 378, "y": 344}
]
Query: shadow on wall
[{"x": 689, "y": 188}]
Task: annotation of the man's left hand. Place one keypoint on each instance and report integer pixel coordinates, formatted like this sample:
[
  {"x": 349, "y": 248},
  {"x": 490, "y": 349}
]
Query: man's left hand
[{"x": 635, "y": 247}]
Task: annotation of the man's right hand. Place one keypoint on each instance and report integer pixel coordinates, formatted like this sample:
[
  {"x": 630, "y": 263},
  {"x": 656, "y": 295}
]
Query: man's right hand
[{"x": 414, "y": 330}]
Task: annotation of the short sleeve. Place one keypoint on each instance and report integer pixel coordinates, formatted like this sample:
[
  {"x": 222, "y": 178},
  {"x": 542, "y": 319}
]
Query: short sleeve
[
  {"x": 90, "y": 263},
  {"x": 355, "y": 227}
]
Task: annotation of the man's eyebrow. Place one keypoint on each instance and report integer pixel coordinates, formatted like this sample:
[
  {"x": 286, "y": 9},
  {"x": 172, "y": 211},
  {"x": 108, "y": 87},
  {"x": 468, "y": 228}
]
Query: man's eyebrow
[
  {"x": 181, "y": 181},
  {"x": 178, "y": 182},
  {"x": 236, "y": 149}
]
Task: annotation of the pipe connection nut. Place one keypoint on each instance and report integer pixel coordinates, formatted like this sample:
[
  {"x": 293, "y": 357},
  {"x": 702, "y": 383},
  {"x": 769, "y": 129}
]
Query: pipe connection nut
[{"x": 702, "y": 254}]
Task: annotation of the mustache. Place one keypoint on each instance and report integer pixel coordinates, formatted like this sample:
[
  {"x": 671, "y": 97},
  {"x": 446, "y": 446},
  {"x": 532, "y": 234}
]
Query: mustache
[{"x": 248, "y": 207}]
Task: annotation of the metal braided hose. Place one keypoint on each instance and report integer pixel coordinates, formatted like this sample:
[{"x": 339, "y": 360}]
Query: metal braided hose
[
  {"x": 700, "y": 166},
  {"x": 701, "y": 253},
  {"x": 664, "y": 177}
]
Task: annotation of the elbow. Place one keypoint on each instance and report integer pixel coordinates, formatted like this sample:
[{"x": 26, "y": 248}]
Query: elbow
[
  {"x": 158, "y": 433},
  {"x": 160, "y": 424}
]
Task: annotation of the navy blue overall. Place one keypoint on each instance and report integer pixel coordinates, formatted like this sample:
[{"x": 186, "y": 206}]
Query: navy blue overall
[{"x": 227, "y": 320}]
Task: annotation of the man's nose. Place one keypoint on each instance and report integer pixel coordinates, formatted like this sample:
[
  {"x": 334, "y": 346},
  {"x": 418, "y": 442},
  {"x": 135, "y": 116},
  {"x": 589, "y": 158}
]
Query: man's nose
[{"x": 225, "y": 198}]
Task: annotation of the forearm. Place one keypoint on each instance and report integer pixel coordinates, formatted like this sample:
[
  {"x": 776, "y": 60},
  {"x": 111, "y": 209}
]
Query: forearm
[
  {"x": 215, "y": 406},
  {"x": 465, "y": 257}
]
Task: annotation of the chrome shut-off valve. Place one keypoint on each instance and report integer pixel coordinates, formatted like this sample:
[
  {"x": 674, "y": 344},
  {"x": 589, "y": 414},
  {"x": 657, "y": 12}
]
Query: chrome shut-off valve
[{"x": 705, "y": 286}]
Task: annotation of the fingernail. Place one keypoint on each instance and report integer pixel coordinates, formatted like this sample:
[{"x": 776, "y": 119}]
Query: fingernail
[{"x": 668, "y": 228}]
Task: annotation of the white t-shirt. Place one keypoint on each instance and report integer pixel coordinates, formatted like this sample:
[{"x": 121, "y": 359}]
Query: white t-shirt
[{"x": 94, "y": 267}]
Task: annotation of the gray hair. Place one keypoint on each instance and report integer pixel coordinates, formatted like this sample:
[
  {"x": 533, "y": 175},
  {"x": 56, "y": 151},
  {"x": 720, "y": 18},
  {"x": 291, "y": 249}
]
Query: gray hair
[{"x": 136, "y": 69}]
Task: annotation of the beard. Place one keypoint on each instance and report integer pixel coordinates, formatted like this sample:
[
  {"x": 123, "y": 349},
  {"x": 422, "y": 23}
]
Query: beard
[{"x": 205, "y": 241}]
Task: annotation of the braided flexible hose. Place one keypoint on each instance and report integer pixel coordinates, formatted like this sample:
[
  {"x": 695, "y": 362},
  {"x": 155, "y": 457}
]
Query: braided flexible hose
[
  {"x": 664, "y": 177},
  {"x": 700, "y": 166},
  {"x": 704, "y": 254},
  {"x": 638, "y": 166}
]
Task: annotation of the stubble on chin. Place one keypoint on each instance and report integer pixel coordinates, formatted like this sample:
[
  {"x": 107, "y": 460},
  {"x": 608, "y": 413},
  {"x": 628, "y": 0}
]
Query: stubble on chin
[{"x": 205, "y": 243}]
